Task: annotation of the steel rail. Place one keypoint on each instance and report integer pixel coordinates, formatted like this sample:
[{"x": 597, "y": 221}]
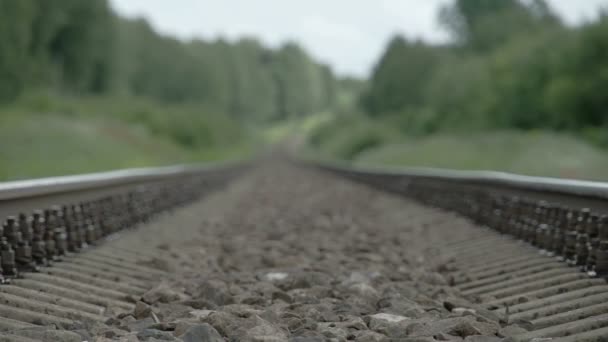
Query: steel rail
[
  {"x": 54, "y": 185},
  {"x": 57, "y": 263},
  {"x": 43, "y": 220},
  {"x": 566, "y": 222},
  {"x": 562, "y": 217},
  {"x": 570, "y": 187}
]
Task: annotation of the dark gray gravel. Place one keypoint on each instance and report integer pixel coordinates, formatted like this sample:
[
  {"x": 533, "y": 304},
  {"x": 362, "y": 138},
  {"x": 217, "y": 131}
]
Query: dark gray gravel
[{"x": 289, "y": 254}]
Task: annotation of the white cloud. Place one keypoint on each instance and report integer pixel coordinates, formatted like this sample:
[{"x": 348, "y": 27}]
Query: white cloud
[{"x": 348, "y": 34}]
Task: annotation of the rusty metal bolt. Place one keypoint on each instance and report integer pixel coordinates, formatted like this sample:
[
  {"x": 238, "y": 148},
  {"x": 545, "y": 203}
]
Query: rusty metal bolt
[
  {"x": 602, "y": 228},
  {"x": 73, "y": 241},
  {"x": 9, "y": 267},
  {"x": 582, "y": 220},
  {"x": 582, "y": 250},
  {"x": 594, "y": 241},
  {"x": 552, "y": 216},
  {"x": 559, "y": 225},
  {"x": 25, "y": 226},
  {"x": 49, "y": 235},
  {"x": 558, "y": 241},
  {"x": 90, "y": 234},
  {"x": 10, "y": 230},
  {"x": 81, "y": 224},
  {"x": 570, "y": 246},
  {"x": 601, "y": 263},
  {"x": 60, "y": 232},
  {"x": 542, "y": 233},
  {"x": 38, "y": 245},
  {"x": 570, "y": 234},
  {"x": 23, "y": 251}
]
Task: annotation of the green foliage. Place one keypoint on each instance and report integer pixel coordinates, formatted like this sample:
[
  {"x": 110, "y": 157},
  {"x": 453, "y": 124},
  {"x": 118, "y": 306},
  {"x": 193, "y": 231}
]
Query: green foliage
[
  {"x": 346, "y": 136},
  {"x": 82, "y": 48},
  {"x": 243, "y": 79},
  {"x": 53, "y": 145},
  {"x": 63, "y": 43},
  {"x": 482, "y": 25},
  {"x": 533, "y": 153},
  {"x": 512, "y": 65},
  {"x": 76, "y": 80},
  {"x": 192, "y": 127},
  {"x": 46, "y": 135},
  {"x": 515, "y": 90},
  {"x": 16, "y": 36},
  {"x": 399, "y": 79}
]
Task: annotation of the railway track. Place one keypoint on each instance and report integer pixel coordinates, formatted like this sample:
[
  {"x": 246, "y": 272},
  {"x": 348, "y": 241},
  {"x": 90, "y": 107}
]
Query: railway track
[
  {"x": 62, "y": 268},
  {"x": 548, "y": 265},
  {"x": 90, "y": 257}
]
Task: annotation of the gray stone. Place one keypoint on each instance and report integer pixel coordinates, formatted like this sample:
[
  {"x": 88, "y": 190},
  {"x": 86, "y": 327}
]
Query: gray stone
[
  {"x": 137, "y": 325},
  {"x": 400, "y": 306},
  {"x": 263, "y": 331},
  {"x": 215, "y": 292},
  {"x": 201, "y": 314},
  {"x": 511, "y": 330},
  {"x": 432, "y": 278},
  {"x": 182, "y": 326},
  {"x": 331, "y": 330},
  {"x": 482, "y": 339},
  {"x": 307, "y": 339},
  {"x": 447, "y": 337},
  {"x": 242, "y": 310},
  {"x": 283, "y": 296},
  {"x": 458, "y": 326},
  {"x": 450, "y": 303},
  {"x": 153, "y": 334},
  {"x": 141, "y": 310},
  {"x": 162, "y": 293},
  {"x": 223, "y": 322},
  {"x": 388, "y": 324},
  {"x": 303, "y": 280},
  {"x": 201, "y": 333},
  {"x": 369, "y": 336}
]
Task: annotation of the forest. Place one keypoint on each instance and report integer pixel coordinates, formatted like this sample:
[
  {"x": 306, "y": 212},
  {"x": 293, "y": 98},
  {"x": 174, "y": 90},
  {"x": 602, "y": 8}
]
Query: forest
[
  {"x": 79, "y": 48},
  {"x": 510, "y": 67},
  {"x": 79, "y": 62},
  {"x": 77, "y": 80}
]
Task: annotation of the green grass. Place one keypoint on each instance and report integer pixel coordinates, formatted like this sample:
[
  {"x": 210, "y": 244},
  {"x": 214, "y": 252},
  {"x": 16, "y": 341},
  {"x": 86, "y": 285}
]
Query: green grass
[
  {"x": 51, "y": 136},
  {"x": 287, "y": 129},
  {"x": 50, "y": 145},
  {"x": 530, "y": 153}
]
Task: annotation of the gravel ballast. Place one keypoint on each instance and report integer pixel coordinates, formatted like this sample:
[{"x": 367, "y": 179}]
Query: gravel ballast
[{"x": 294, "y": 254}]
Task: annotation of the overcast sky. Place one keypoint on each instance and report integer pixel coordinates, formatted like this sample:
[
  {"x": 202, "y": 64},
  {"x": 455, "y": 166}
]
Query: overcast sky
[{"x": 348, "y": 34}]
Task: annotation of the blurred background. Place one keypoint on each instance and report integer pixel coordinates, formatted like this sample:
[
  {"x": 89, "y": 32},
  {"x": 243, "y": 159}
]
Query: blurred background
[{"x": 512, "y": 85}]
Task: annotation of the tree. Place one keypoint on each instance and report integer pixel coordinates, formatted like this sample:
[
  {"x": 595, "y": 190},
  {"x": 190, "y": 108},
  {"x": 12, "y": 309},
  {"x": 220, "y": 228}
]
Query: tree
[
  {"x": 16, "y": 36},
  {"x": 298, "y": 81},
  {"x": 82, "y": 48},
  {"x": 398, "y": 80},
  {"x": 81, "y": 44},
  {"x": 485, "y": 24}
]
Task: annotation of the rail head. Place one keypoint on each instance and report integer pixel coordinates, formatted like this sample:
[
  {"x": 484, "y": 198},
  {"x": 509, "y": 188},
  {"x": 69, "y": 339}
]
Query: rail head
[
  {"x": 568, "y": 187},
  {"x": 54, "y": 185}
]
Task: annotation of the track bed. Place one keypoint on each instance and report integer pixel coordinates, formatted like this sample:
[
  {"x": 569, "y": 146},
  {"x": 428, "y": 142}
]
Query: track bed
[{"x": 294, "y": 254}]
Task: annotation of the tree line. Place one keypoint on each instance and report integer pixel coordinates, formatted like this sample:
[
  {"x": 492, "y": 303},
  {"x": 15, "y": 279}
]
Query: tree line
[
  {"x": 510, "y": 65},
  {"x": 77, "y": 47}
]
